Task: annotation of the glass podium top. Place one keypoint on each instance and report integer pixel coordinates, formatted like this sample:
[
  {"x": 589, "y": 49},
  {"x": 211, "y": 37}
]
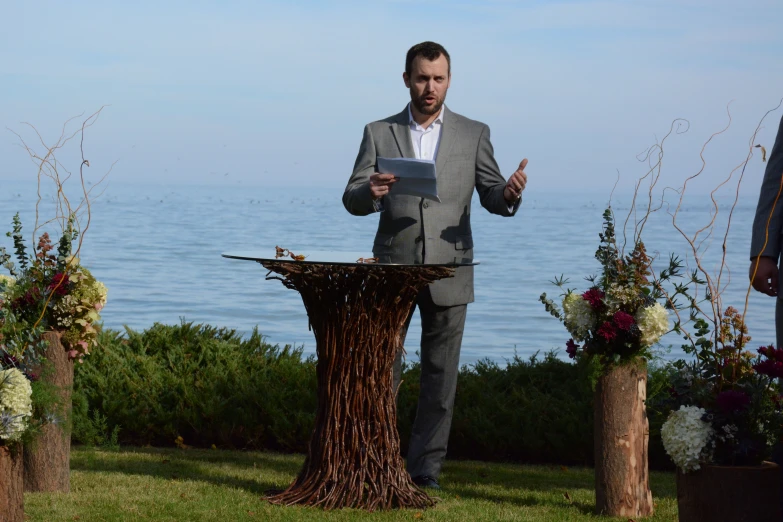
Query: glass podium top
[{"x": 336, "y": 258}]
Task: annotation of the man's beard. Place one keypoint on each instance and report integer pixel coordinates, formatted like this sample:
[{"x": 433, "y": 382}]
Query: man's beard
[{"x": 419, "y": 103}]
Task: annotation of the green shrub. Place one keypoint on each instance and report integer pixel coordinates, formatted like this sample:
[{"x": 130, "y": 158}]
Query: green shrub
[
  {"x": 204, "y": 384},
  {"x": 211, "y": 386}
]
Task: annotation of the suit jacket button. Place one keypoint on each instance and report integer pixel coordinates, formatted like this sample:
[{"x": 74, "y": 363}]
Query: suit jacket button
[
  {"x": 426, "y": 204},
  {"x": 419, "y": 239}
]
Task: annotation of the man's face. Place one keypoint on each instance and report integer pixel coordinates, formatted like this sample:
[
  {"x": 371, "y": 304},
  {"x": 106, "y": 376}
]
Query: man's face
[{"x": 428, "y": 82}]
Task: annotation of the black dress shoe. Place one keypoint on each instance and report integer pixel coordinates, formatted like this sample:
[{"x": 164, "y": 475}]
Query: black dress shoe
[{"x": 425, "y": 481}]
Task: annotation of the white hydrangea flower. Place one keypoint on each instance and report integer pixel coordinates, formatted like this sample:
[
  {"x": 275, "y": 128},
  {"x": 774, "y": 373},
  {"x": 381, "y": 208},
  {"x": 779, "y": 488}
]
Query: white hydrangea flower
[
  {"x": 685, "y": 436},
  {"x": 102, "y": 291},
  {"x": 16, "y": 404},
  {"x": 6, "y": 282},
  {"x": 653, "y": 322},
  {"x": 579, "y": 317}
]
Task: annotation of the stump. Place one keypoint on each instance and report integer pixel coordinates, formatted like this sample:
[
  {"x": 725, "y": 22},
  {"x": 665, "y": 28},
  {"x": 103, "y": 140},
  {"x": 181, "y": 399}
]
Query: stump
[
  {"x": 11, "y": 484},
  {"x": 621, "y": 438},
  {"x": 736, "y": 493},
  {"x": 356, "y": 313},
  {"x": 47, "y": 458}
]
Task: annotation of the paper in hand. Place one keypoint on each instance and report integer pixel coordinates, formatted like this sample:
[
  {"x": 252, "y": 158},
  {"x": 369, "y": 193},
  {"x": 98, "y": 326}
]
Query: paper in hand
[{"x": 416, "y": 177}]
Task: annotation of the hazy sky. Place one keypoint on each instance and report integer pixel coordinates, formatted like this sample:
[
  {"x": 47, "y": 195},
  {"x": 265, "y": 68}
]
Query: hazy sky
[{"x": 277, "y": 93}]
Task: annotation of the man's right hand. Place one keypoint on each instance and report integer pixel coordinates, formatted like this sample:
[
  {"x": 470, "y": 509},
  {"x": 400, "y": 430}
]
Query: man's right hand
[
  {"x": 766, "y": 277},
  {"x": 380, "y": 184}
]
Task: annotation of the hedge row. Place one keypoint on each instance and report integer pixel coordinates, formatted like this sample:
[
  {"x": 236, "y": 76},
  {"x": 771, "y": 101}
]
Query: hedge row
[{"x": 210, "y": 386}]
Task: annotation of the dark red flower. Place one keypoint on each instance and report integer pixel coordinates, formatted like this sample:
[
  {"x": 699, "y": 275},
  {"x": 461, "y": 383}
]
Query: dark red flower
[
  {"x": 59, "y": 284},
  {"x": 770, "y": 352},
  {"x": 594, "y": 296},
  {"x": 623, "y": 321},
  {"x": 571, "y": 348},
  {"x": 773, "y": 364},
  {"x": 28, "y": 300},
  {"x": 769, "y": 367},
  {"x": 7, "y": 360},
  {"x": 607, "y": 331},
  {"x": 732, "y": 400}
]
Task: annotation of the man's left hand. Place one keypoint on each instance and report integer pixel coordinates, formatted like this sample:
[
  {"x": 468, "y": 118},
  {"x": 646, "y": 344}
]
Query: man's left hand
[{"x": 516, "y": 184}]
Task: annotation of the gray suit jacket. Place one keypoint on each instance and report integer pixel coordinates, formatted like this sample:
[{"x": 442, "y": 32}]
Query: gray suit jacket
[
  {"x": 415, "y": 230},
  {"x": 769, "y": 191}
]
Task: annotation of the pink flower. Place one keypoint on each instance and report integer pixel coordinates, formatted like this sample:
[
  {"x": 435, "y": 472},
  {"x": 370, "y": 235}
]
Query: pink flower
[
  {"x": 594, "y": 296},
  {"x": 623, "y": 321},
  {"x": 607, "y": 331}
]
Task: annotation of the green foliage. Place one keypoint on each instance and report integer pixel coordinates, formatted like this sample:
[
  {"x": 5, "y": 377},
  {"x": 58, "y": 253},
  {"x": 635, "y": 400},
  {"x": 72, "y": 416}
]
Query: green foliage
[
  {"x": 536, "y": 410},
  {"x": 210, "y": 386},
  {"x": 92, "y": 429},
  {"x": 204, "y": 384}
]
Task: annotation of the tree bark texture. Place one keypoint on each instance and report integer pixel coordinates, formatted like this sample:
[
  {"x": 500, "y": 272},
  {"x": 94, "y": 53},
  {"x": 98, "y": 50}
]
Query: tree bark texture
[
  {"x": 356, "y": 313},
  {"x": 736, "y": 493},
  {"x": 11, "y": 484},
  {"x": 622, "y": 434},
  {"x": 47, "y": 458}
]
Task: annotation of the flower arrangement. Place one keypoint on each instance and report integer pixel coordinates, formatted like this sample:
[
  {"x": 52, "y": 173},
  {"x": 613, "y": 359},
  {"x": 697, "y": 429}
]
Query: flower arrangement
[
  {"x": 732, "y": 393},
  {"x": 619, "y": 316},
  {"x": 51, "y": 290}
]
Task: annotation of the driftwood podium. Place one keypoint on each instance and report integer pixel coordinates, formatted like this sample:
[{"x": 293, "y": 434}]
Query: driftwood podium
[{"x": 356, "y": 311}]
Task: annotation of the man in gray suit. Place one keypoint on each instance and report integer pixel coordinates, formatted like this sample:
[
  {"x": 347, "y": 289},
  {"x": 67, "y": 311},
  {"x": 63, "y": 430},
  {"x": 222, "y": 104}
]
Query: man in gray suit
[
  {"x": 767, "y": 257},
  {"x": 415, "y": 230}
]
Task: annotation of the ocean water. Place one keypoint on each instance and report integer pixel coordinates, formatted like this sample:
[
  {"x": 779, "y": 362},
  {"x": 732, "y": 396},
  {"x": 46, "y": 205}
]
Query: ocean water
[{"x": 158, "y": 250}]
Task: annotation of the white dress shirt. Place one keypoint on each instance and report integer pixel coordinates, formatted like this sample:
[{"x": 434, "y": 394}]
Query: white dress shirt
[{"x": 425, "y": 141}]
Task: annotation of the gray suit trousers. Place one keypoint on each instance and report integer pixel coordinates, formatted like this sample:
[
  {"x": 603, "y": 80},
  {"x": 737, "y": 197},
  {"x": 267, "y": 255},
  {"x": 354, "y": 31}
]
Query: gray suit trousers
[{"x": 441, "y": 339}]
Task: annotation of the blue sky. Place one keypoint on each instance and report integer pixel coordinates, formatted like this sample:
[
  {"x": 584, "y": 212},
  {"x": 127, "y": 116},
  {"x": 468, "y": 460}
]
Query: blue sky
[{"x": 277, "y": 93}]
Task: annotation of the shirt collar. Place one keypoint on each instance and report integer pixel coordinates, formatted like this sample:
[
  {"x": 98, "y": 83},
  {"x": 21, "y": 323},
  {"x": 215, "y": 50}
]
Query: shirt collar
[{"x": 438, "y": 119}]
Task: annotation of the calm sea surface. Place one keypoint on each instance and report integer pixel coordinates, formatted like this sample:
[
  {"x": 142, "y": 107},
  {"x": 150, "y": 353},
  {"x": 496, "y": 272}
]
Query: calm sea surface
[{"x": 158, "y": 251}]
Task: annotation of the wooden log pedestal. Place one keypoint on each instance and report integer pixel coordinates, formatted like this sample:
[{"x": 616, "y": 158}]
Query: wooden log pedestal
[
  {"x": 11, "y": 484},
  {"x": 356, "y": 312},
  {"x": 47, "y": 460},
  {"x": 730, "y": 493},
  {"x": 622, "y": 433}
]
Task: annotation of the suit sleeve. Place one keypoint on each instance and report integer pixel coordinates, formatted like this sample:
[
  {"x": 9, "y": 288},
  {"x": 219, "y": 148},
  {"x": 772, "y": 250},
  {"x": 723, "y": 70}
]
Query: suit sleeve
[
  {"x": 490, "y": 183},
  {"x": 767, "y": 209},
  {"x": 357, "y": 198}
]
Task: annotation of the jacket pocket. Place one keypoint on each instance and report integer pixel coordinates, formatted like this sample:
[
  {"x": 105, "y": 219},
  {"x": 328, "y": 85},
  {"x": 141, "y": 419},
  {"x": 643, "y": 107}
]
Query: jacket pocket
[
  {"x": 464, "y": 243},
  {"x": 382, "y": 242}
]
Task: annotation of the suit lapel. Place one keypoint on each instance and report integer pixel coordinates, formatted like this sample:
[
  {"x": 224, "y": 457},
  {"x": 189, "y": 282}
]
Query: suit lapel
[
  {"x": 448, "y": 135},
  {"x": 402, "y": 134}
]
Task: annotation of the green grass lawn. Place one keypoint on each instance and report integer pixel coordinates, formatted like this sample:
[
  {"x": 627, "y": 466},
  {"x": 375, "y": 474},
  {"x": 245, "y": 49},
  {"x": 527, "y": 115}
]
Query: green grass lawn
[{"x": 215, "y": 485}]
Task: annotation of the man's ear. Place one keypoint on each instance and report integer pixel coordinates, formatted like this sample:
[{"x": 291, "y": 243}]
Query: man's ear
[{"x": 406, "y": 79}]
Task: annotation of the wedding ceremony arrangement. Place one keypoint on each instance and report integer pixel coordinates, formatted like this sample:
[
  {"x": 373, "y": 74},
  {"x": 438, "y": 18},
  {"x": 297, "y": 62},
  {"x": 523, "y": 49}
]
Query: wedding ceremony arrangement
[{"x": 721, "y": 406}]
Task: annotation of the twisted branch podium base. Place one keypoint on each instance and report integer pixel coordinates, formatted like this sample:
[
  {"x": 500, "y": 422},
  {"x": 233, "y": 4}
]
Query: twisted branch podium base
[{"x": 356, "y": 313}]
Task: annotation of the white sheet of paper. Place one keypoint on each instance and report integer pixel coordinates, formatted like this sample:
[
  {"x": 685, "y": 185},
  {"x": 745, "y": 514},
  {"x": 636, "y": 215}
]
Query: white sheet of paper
[{"x": 416, "y": 177}]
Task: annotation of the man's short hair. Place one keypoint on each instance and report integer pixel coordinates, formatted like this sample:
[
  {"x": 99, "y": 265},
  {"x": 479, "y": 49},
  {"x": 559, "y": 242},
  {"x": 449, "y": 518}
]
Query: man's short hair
[{"x": 429, "y": 50}]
